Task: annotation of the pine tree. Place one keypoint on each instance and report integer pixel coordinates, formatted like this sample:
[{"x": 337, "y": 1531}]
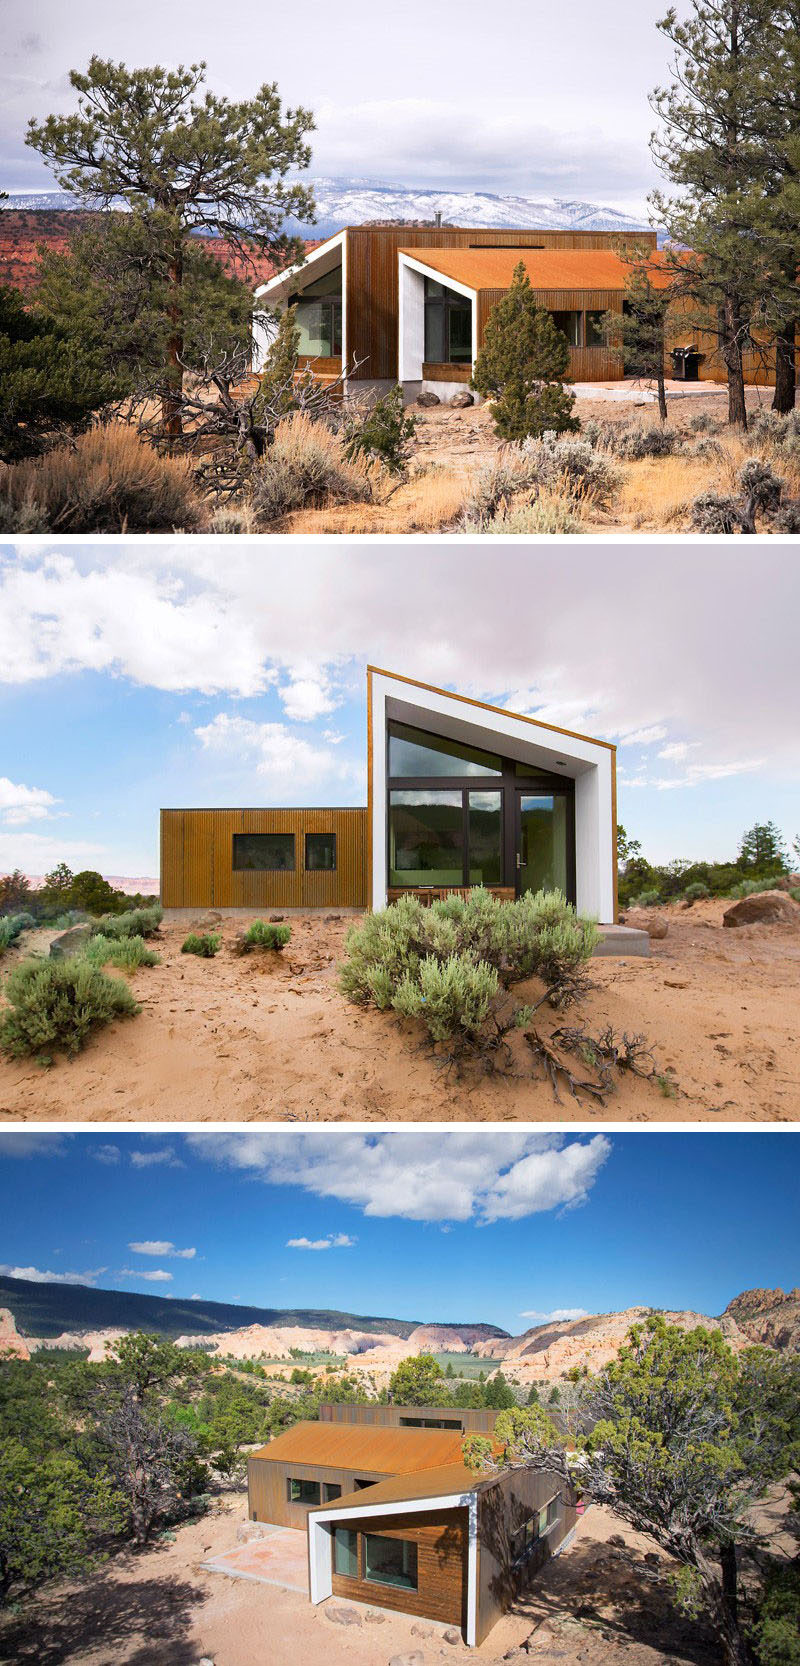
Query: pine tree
[
  {"x": 49, "y": 383},
  {"x": 712, "y": 149},
  {"x": 642, "y": 329},
  {"x": 180, "y": 164},
  {"x": 762, "y": 847},
  {"x": 522, "y": 366}
]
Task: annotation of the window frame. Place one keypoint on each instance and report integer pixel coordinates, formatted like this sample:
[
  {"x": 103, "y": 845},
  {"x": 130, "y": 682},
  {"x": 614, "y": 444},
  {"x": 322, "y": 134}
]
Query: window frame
[
  {"x": 238, "y": 868},
  {"x": 317, "y": 834},
  {"x": 449, "y": 301},
  {"x": 369, "y": 1579},
  {"x": 303, "y": 1481}
]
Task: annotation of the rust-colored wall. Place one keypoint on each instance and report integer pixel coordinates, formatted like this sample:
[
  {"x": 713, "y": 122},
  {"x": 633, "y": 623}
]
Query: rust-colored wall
[
  {"x": 441, "y": 1542},
  {"x": 478, "y": 1421},
  {"x": 502, "y": 1509},
  {"x": 267, "y": 1488},
  {"x": 197, "y": 860},
  {"x": 372, "y": 278}
]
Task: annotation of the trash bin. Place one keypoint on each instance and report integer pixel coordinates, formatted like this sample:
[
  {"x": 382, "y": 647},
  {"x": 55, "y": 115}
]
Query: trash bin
[{"x": 686, "y": 364}]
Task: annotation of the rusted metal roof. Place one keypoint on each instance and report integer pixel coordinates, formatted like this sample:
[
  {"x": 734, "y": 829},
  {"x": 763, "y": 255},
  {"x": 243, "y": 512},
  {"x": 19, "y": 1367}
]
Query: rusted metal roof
[
  {"x": 377, "y": 1450},
  {"x": 547, "y": 268},
  {"x": 443, "y": 1482}
]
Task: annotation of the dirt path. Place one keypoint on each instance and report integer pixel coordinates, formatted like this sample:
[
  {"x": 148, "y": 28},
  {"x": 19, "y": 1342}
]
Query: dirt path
[
  {"x": 598, "y": 1603},
  {"x": 269, "y": 1036}
]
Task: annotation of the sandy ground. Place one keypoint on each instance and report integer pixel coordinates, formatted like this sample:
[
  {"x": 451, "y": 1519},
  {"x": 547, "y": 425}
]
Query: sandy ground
[
  {"x": 269, "y": 1036},
  {"x": 597, "y": 1604},
  {"x": 451, "y": 445}
]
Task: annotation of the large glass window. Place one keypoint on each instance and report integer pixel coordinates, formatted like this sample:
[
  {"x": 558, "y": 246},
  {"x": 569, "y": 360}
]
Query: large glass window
[
  {"x": 320, "y": 852},
  {"x": 416, "y": 753},
  {"x": 543, "y": 842},
  {"x": 426, "y": 838},
  {"x": 485, "y": 829},
  {"x": 263, "y": 852},
  {"x": 390, "y": 1561},
  {"x": 569, "y": 323},
  {"x": 299, "y": 1491},
  {"x": 345, "y": 1552},
  {"x": 318, "y": 315},
  {"x": 448, "y": 325}
]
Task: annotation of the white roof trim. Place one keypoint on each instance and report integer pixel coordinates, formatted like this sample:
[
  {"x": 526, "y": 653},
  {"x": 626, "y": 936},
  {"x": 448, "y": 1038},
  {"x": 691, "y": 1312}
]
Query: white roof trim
[
  {"x": 281, "y": 278},
  {"x": 439, "y": 277},
  {"x": 449, "y": 1501}
]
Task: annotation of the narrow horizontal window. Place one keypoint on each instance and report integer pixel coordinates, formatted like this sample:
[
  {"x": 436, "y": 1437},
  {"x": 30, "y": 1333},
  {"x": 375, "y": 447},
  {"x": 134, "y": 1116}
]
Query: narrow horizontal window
[
  {"x": 300, "y": 1491},
  {"x": 263, "y": 852},
  {"x": 414, "y": 752}
]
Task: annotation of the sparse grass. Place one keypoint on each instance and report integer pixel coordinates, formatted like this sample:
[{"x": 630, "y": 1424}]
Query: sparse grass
[
  {"x": 206, "y": 945},
  {"x": 128, "y": 953},
  {"x": 263, "y": 934},
  {"x": 108, "y": 480}
]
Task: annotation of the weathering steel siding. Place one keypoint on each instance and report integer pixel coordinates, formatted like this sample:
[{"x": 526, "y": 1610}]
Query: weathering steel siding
[
  {"x": 372, "y": 278},
  {"x": 502, "y": 1509},
  {"x": 197, "y": 860},
  {"x": 267, "y": 1490},
  {"x": 441, "y": 1542}
]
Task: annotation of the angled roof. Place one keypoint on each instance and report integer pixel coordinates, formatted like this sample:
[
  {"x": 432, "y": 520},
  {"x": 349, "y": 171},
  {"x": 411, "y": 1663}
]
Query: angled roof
[
  {"x": 446, "y": 1481},
  {"x": 377, "y": 1449},
  {"x": 484, "y": 706},
  {"x": 547, "y": 268}
]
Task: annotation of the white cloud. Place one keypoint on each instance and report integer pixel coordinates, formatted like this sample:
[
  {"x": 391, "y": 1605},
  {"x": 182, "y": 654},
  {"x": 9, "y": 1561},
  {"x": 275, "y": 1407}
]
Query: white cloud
[
  {"x": 162, "y": 1156},
  {"x": 558, "y": 1315},
  {"x": 108, "y": 1154},
  {"x": 335, "y": 1240},
  {"x": 24, "y": 1143},
  {"x": 157, "y": 1276},
  {"x": 20, "y": 804},
  {"x": 644, "y": 737},
  {"x": 306, "y": 698},
  {"x": 271, "y": 748},
  {"x": 37, "y": 1276},
  {"x": 162, "y": 1246},
  {"x": 476, "y": 1175}
]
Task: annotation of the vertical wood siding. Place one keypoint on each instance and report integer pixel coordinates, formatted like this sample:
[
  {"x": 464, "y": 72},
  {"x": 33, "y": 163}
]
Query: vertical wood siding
[
  {"x": 502, "y": 1509},
  {"x": 476, "y": 1419},
  {"x": 197, "y": 860},
  {"x": 372, "y": 279},
  {"x": 267, "y": 1490}
]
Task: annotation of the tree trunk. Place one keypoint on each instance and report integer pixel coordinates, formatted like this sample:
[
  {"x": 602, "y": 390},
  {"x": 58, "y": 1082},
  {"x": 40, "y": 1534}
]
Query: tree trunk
[
  {"x": 721, "y": 1596},
  {"x": 785, "y": 373},
  {"x": 171, "y": 402},
  {"x": 732, "y": 354},
  {"x": 662, "y": 397}
]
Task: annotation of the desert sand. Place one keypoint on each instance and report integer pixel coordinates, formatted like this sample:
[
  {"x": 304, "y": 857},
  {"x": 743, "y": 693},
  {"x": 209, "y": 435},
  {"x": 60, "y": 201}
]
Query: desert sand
[
  {"x": 598, "y": 1603},
  {"x": 269, "y": 1036}
]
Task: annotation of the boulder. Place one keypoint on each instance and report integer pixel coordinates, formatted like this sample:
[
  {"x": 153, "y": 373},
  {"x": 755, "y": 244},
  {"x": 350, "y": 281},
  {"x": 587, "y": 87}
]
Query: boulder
[
  {"x": 452, "y": 1636},
  {"x": 428, "y": 397},
  {"x": 641, "y": 919},
  {"x": 374, "y": 1617},
  {"x": 786, "y": 882},
  {"x": 461, "y": 400},
  {"x": 343, "y": 1616},
  {"x": 762, "y": 908},
  {"x": 69, "y": 942}
]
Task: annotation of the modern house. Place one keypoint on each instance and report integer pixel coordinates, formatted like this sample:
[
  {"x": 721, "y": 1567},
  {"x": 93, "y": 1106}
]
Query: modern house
[
  {"x": 409, "y": 304},
  {"x": 395, "y": 1519},
  {"x": 459, "y": 794}
]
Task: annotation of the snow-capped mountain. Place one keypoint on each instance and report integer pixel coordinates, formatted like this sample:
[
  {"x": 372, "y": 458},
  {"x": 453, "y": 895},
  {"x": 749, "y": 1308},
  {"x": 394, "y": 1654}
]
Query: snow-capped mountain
[{"x": 352, "y": 202}]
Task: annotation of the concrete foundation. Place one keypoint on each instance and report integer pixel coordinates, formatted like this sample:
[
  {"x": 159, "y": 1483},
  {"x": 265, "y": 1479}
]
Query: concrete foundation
[{"x": 622, "y": 940}]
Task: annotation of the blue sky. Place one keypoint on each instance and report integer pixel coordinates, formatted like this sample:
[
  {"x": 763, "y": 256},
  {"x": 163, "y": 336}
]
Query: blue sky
[
  {"x": 500, "y": 1226},
  {"x": 536, "y": 106},
  {"x": 140, "y": 674}
]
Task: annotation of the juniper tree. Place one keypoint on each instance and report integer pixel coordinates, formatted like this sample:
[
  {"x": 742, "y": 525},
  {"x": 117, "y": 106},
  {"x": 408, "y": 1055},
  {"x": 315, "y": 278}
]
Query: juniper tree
[
  {"x": 522, "y": 366},
  {"x": 712, "y": 149},
  {"x": 49, "y": 383},
  {"x": 182, "y": 161},
  {"x": 642, "y": 328}
]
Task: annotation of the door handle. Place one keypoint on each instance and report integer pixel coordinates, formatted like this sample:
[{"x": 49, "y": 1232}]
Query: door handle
[{"x": 519, "y": 860}]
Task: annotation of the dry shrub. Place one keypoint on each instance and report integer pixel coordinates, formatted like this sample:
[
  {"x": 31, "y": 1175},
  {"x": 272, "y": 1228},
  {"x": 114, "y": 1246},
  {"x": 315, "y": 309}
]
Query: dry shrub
[
  {"x": 549, "y": 513},
  {"x": 434, "y": 500},
  {"x": 306, "y": 467},
  {"x": 659, "y": 492},
  {"x": 108, "y": 480}
]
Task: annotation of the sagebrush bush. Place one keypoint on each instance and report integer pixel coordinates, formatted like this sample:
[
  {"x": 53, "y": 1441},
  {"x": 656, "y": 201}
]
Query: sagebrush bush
[
  {"x": 714, "y": 512},
  {"x": 696, "y": 891},
  {"x": 206, "y": 944},
  {"x": 307, "y": 467},
  {"x": 11, "y": 927},
  {"x": 262, "y": 934},
  {"x": 547, "y": 514},
  {"x": 234, "y": 518},
  {"x": 107, "y": 480},
  {"x": 134, "y": 922},
  {"x": 128, "y": 953},
  {"x": 564, "y": 467},
  {"x": 54, "y": 1005},
  {"x": 646, "y": 899},
  {"x": 502, "y": 942},
  {"x": 632, "y": 440},
  {"x": 781, "y": 432},
  {"x": 570, "y": 462}
]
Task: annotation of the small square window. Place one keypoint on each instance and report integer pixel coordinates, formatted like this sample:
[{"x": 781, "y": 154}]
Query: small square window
[
  {"x": 263, "y": 852},
  {"x": 301, "y": 1491},
  {"x": 320, "y": 852},
  {"x": 330, "y": 1490}
]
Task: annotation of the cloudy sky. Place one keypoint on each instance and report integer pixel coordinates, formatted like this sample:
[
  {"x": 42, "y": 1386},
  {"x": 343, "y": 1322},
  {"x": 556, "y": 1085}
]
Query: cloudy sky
[
  {"x": 538, "y": 99},
  {"x": 149, "y": 674},
  {"x": 503, "y": 1226}
]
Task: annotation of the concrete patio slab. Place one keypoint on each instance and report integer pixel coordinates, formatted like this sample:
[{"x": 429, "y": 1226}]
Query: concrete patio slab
[
  {"x": 281, "y": 1558},
  {"x": 622, "y": 940}
]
